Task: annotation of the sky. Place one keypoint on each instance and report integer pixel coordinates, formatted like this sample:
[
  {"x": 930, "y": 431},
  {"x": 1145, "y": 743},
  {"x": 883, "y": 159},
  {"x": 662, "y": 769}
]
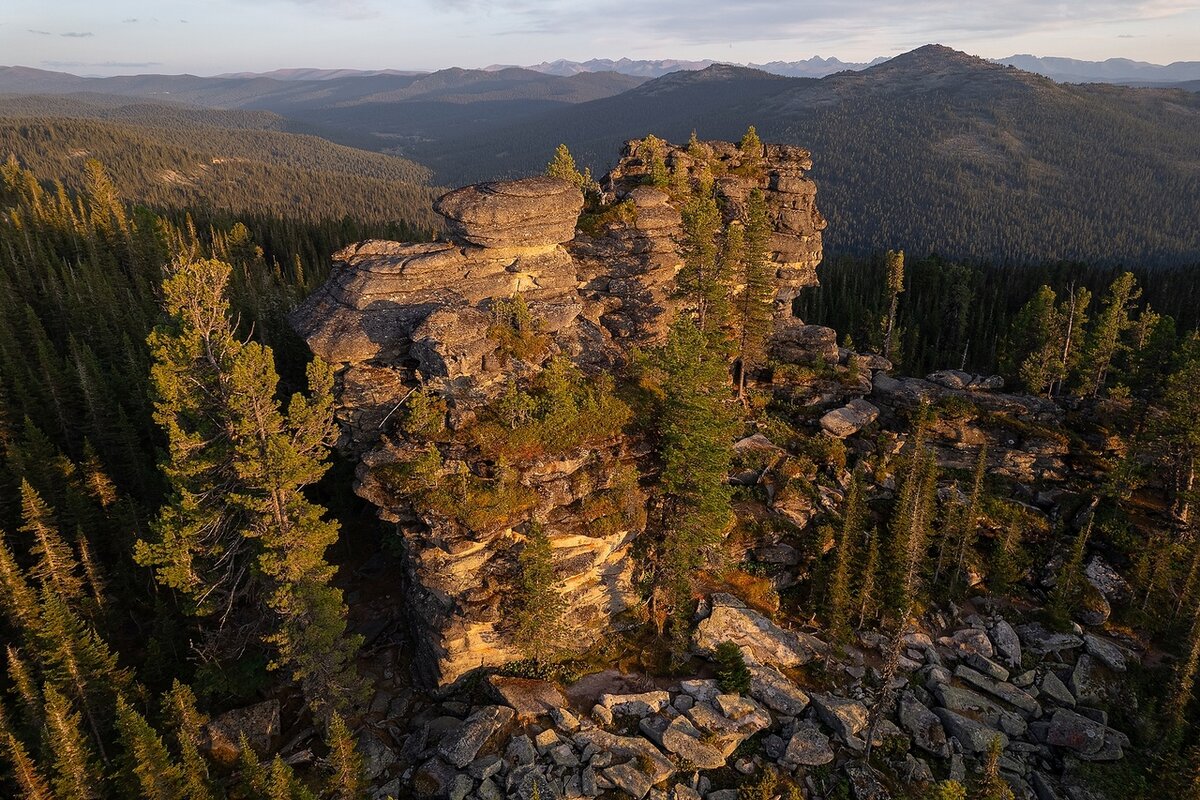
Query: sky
[{"x": 208, "y": 37}]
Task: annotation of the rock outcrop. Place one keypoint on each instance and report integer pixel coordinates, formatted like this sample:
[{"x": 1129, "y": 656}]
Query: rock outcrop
[{"x": 523, "y": 280}]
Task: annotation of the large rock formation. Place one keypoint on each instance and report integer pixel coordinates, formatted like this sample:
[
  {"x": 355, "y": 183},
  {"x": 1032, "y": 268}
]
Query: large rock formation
[{"x": 395, "y": 318}]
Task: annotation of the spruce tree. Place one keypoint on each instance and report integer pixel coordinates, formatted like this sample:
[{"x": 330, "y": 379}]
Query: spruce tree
[
  {"x": 867, "y": 579},
  {"x": 1104, "y": 340},
  {"x": 699, "y": 281},
  {"x": 238, "y": 467},
  {"x": 347, "y": 781},
  {"x": 75, "y": 659},
  {"x": 695, "y": 434},
  {"x": 187, "y": 724},
  {"x": 56, "y": 568},
  {"x": 29, "y": 780},
  {"x": 148, "y": 758},
  {"x": 539, "y": 617},
  {"x": 17, "y": 597},
  {"x": 970, "y": 519},
  {"x": 77, "y": 774},
  {"x": 895, "y": 285},
  {"x": 754, "y": 306},
  {"x": 25, "y": 687},
  {"x": 991, "y": 785},
  {"x": 840, "y": 598}
]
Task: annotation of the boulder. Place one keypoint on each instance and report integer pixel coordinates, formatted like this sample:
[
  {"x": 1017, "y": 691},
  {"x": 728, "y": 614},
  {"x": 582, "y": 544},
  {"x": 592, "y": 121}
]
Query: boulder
[
  {"x": 1075, "y": 732},
  {"x": 1105, "y": 579},
  {"x": 685, "y": 740},
  {"x": 847, "y": 718},
  {"x": 808, "y": 747},
  {"x": 732, "y": 621},
  {"x": 974, "y": 736},
  {"x": 1041, "y": 641},
  {"x": 793, "y": 342},
  {"x": 776, "y": 691},
  {"x": 629, "y": 779},
  {"x": 1054, "y": 689},
  {"x": 924, "y": 726},
  {"x": 649, "y": 757},
  {"x": 1007, "y": 643},
  {"x": 967, "y": 641},
  {"x": 530, "y": 212},
  {"x": 1104, "y": 651},
  {"x": 950, "y": 378},
  {"x": 259, "y": 723},
  {"x": 987, "y": 667},
  {"x": 528, "y": 697},
  {"x": 1085, "y": 684},
  {"x": 999, "y": 689},
  {"x": 636, "y": 705},
  {"x": 485, "y": 727},
  {"x": 849, "y": 419}
]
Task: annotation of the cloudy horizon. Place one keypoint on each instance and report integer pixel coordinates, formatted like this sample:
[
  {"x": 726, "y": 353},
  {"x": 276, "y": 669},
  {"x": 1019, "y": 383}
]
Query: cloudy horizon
[{"x": 224, "y": 36}]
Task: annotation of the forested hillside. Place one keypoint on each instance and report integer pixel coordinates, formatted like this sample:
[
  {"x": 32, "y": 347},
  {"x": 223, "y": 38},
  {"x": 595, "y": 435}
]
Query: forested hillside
[
  {"x": 181, "y": 161},
  {"x": 934, "y": 151}
]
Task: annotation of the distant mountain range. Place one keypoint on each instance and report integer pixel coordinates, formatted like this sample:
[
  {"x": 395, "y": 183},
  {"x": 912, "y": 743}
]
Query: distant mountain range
[
  {"x": 931, "y": 151},
  {"x": 1064, "y": 70},
  {"x": 815, "y": 67},
  {"x": 1114, "y": 70}
]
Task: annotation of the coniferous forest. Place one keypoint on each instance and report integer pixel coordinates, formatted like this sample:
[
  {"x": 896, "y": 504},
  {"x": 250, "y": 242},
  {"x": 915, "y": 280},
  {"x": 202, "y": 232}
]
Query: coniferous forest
[{"x": 1009, "y": 569}]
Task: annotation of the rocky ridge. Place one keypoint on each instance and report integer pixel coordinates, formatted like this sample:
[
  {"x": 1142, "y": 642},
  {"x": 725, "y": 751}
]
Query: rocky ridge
[
  {"x": 438, "y": 318},
  {"x": 966, "y": 679}
]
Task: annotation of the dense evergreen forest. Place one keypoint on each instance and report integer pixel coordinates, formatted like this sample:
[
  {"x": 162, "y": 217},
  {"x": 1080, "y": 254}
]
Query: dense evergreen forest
[
  {"x": 961, "y": 315},
  {"x": 82, "y": 276},
  {"x": 164, "y": 437},
  {"x": 247, "y": 171}
]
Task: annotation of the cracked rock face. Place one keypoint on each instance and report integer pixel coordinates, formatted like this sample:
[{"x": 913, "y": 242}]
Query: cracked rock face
[
  {"x": 531, "y": 212},
  {"x": 395, "y": 317}
]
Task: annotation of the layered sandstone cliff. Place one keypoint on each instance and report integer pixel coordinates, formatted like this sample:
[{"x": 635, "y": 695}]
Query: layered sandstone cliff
[{"x": 399, "y": 319}]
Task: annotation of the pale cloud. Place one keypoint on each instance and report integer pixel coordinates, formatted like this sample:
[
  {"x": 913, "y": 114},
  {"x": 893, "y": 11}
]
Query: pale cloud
[{"x": 77, "y": 34}]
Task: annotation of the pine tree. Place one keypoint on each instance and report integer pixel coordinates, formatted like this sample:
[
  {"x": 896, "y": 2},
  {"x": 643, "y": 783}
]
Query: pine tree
[
  {"x": 77, "y": 775},
  {"x": 895, "y": 285},
  {"x": 970, "y": 519},
  {"x": 346, "y": 782},
  {"x": 695, "y": 434},
  {"x": 238, "y": 467},
  {"x": 653, "y": 153},
  {"x": 755, "y": 304},
  {"x": 1040, "y": 333},
  {"x": 853, "y": 518},
  {"x": 563, "y": 166},
  {"x": 1104, "y": 340},
  {"x": 699, "y": 281},
  {"x": 17, "y": 598},
  {"x": 196, "y": 529},
  {"x": 56, "y": 568},
  {"x": 991, "y": 785},
  {"x": 1075, "y": 319},
  {"x": 179, "y": 709},
  {"x": 149, "y": 760},
  {"x": 867, "y": 600},
  {"x": 29, "y": 780},
  {"x": 751, "y": 149},
  {"x": 21, "y": 675},
  {"x": 539, "y": 617},
  {"x": 277, "y": 457}
]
